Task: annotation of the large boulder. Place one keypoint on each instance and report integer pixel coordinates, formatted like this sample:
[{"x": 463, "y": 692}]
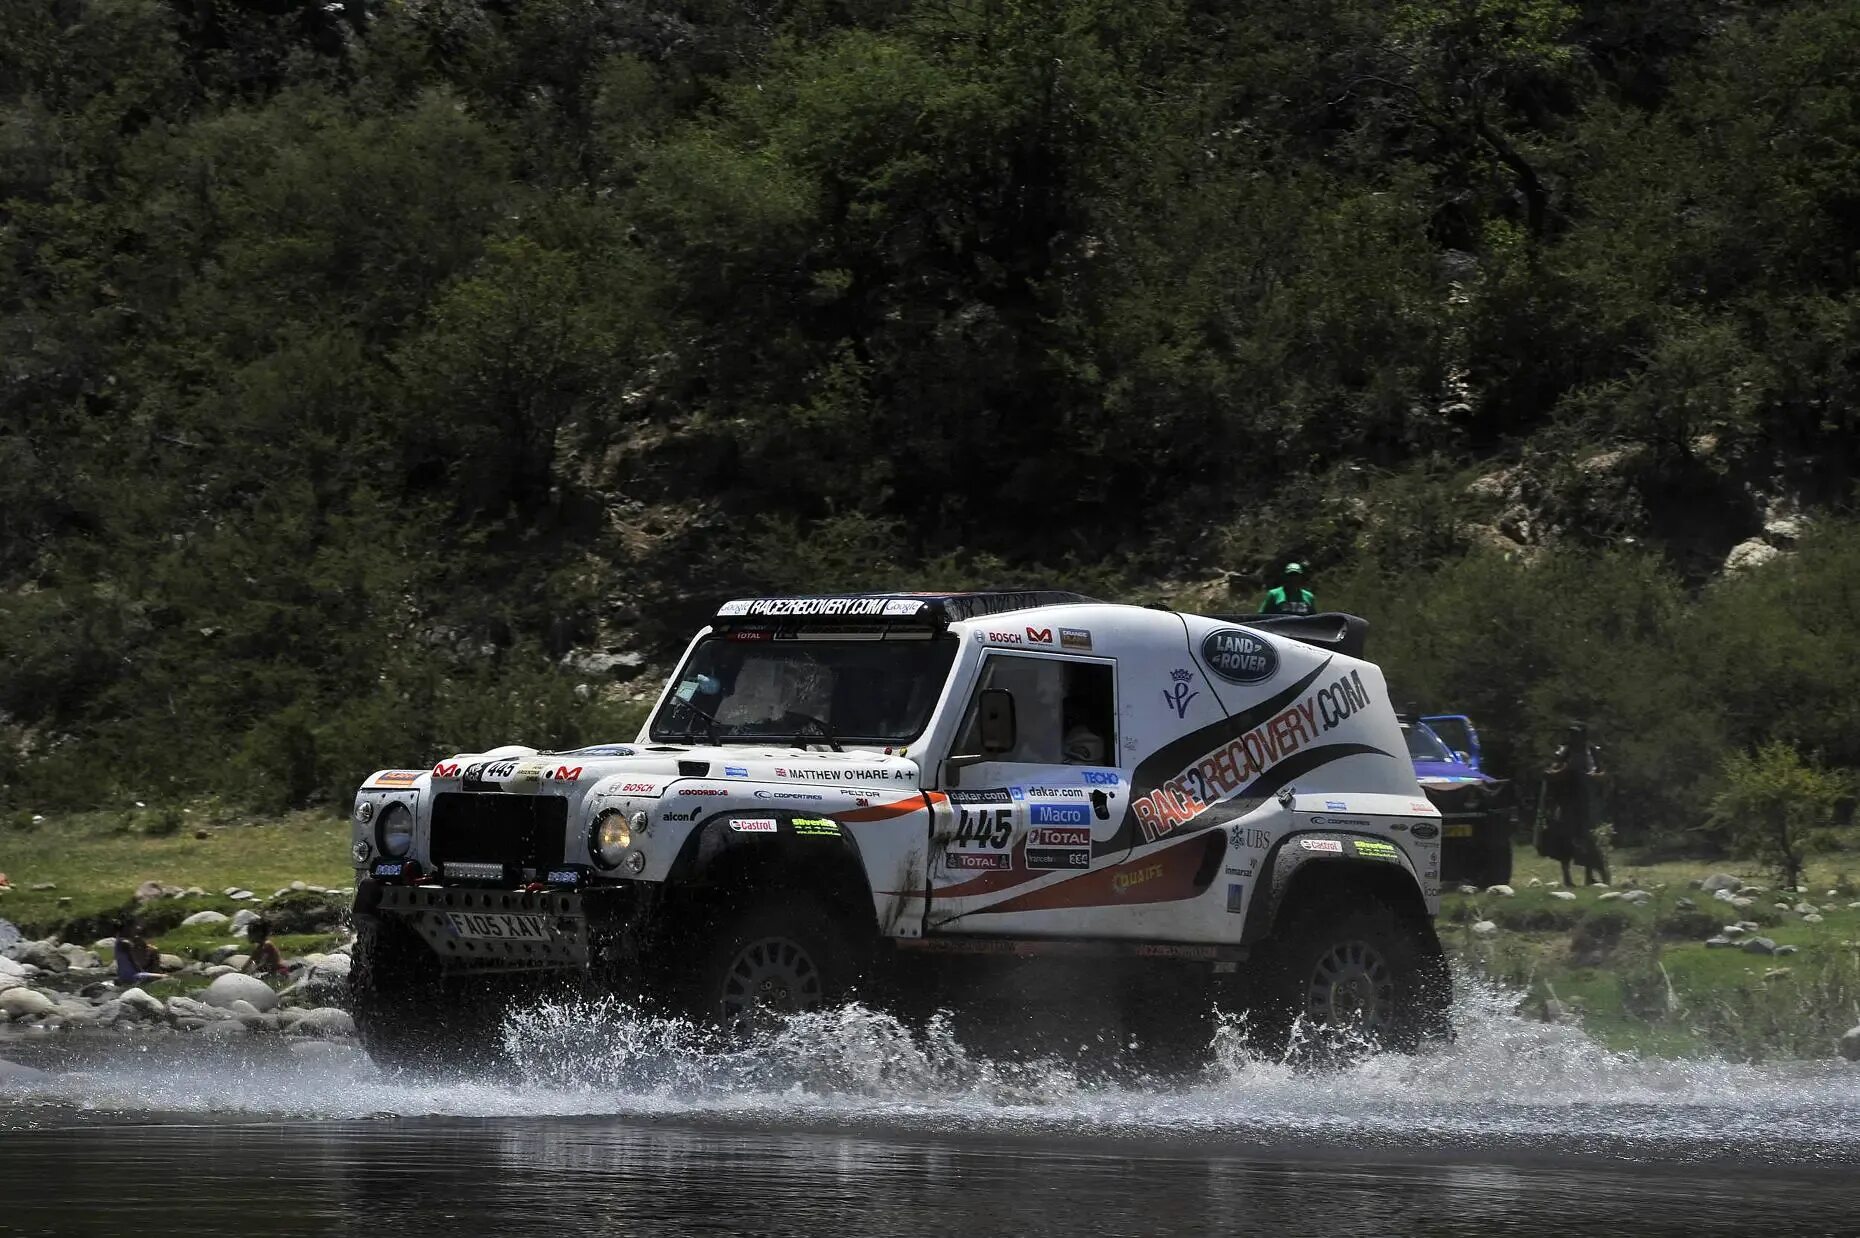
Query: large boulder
[
  {"x": 72, "y": 1001},
  {"x": 1850, "y": 1044},
  {"x": 141, "y": 1004},
  {"x": 26, "y": 1004},
  {"x": 40, "y": 954},
  {"x": 243, "y": 919},
  {"x": 1720, "y": 881},
  {"x": 204, "y": 917},
  {"x": 232, "y": 987},
  {"x": 105, "y": 1014},
  {"x": 326, "y": 979},
  {"x": 1750, "y": 554},
  {"x": 13, "y": 967}
]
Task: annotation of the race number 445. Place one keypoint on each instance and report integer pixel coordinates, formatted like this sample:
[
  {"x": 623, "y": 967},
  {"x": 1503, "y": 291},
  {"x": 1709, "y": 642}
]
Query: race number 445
[{"x": 985, "y": 827}]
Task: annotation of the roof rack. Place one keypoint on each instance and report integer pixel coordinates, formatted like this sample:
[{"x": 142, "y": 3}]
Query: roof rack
[{"x": 939, "y": 608}]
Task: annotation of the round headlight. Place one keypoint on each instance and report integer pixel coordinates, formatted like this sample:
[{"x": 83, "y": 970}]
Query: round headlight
[
  {"x": 613, "y": 834},
  {"x": 364, "y": 812},
  {"x": 636, "y": 862},
  {"x": 394, "y": 830}
]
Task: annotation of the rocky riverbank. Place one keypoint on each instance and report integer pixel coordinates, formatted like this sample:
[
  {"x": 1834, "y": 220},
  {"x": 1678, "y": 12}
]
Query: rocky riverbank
[
  {"x": 1671, "y": 961},
  {"x": 49, "y": 985}
]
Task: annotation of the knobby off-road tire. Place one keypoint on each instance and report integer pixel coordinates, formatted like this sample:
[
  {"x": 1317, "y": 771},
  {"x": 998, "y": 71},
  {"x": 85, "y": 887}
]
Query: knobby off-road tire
[
  {"x": 771, "y": 958},
  {"x": 406, "y": 1017},
  {"x": 1359, "y": 975}
]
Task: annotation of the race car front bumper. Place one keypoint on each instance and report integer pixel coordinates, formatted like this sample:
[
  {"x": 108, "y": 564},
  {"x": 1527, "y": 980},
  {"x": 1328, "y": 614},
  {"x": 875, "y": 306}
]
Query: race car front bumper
[
  {"x": 615, "y": 927},
  {"x": 488, "y": 930}
]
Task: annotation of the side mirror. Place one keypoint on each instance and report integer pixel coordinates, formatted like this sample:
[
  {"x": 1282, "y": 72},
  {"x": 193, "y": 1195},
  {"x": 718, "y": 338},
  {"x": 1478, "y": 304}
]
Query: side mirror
[
  {"x": 999, "y": 733},
  {"x": 996, "y": 731}
]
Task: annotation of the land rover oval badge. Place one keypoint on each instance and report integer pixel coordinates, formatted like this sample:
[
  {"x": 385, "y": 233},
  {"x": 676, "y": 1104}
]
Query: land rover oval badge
[{"x": 1239, "y": 656}]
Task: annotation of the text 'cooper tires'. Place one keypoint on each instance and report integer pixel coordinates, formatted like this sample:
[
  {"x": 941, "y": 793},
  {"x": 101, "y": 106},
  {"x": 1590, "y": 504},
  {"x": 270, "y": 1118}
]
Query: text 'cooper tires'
[
  {"x": 1352, "y": 976},
  {"x": 771, "y": 959}
]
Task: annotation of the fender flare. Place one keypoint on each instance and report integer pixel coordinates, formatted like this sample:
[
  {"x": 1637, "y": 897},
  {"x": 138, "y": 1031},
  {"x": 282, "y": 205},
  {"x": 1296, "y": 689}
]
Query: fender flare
[
  {"x": 802, "y": 850},
  {"x": 1290, "y": 856}
]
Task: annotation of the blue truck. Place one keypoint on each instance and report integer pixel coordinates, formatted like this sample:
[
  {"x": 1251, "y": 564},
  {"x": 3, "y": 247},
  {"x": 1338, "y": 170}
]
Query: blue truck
[{"x": 1478, "y": 812}]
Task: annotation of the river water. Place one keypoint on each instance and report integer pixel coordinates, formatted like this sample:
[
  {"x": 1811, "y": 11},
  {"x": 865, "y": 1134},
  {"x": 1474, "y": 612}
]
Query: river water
[{"x": 842, "y": 1124}]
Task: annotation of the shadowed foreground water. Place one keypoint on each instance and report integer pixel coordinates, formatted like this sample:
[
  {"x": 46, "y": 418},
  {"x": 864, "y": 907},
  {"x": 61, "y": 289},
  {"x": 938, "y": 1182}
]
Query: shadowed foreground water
[{"x": 842, "y": 1125}]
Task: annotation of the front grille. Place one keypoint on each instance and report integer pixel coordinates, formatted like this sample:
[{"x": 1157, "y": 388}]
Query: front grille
[{"x": 494, "y": 828}]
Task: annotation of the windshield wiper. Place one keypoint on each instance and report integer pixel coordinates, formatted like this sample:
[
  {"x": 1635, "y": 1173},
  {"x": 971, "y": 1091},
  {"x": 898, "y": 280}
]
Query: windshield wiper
[
  {"x": 819, "y": 724},
  {"x": 710, "y": 723}
]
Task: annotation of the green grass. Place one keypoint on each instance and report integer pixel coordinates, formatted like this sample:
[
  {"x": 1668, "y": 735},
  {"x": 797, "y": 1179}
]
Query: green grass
[
  {"x": 98, "y": 859},
  {"x": 1643, "y": 979}
]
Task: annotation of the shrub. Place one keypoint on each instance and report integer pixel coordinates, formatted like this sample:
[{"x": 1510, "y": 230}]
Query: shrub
[
  {"x": 1778, "y": 808},
  {"x": 1596, "y": 936}
]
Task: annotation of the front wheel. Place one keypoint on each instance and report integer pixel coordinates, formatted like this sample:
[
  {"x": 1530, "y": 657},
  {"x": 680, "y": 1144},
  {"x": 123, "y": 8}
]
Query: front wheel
[
  {"x": 406, "y": 1016},
  {"x": 1352, "y": 979},
  {"x": 772, "y": 959}
]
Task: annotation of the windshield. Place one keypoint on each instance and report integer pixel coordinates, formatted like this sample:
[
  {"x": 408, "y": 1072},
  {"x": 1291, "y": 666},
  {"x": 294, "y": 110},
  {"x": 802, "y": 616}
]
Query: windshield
[
  {"x": 813, "y": 691},
  {"x": 1424, "y": 745}
]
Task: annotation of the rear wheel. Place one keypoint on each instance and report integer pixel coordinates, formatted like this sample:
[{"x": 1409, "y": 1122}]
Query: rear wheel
[
  {"x": 773, "y": 958},
  {"x": 1350, "y": 979}
]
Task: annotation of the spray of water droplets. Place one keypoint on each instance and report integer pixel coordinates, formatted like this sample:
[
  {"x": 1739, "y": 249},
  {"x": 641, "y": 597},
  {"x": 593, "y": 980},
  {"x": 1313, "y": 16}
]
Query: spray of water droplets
[{"x": 1502, "y": 1076}]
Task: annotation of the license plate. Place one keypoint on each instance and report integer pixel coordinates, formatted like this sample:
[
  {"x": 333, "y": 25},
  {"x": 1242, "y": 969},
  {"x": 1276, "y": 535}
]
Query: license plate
[
  {"x": 499, "y": 926},
  {"x": 1462, "y": 830}
]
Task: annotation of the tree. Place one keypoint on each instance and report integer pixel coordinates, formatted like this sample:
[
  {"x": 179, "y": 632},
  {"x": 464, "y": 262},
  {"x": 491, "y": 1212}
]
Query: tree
[{"x": 1778, "y": 807}]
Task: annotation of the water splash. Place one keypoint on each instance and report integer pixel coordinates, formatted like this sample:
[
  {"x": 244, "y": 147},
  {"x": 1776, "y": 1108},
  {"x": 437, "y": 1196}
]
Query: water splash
[{"x": 1503, "y": 1077}]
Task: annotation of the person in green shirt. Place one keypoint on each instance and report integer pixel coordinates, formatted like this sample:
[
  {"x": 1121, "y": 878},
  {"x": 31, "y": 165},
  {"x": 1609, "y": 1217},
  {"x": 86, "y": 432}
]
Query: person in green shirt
[{"x": 1291, "y": 597}]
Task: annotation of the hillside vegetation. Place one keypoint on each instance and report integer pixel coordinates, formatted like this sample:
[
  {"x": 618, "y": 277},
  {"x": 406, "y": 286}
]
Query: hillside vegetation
[{"x": 366, "y": 367}]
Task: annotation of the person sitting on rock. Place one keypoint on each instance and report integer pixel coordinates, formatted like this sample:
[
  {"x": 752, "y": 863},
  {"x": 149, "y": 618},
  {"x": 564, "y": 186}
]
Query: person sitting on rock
[
  {"x": 136, "y": 960},
  {"x": 265, "y": 959}
]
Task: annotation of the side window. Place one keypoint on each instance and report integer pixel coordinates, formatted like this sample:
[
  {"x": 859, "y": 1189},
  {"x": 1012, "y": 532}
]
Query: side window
[{"x": 1065, "y": 712}]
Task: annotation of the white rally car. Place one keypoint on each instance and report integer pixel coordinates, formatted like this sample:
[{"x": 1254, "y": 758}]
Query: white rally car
[{"x": 835, "y": 793}]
